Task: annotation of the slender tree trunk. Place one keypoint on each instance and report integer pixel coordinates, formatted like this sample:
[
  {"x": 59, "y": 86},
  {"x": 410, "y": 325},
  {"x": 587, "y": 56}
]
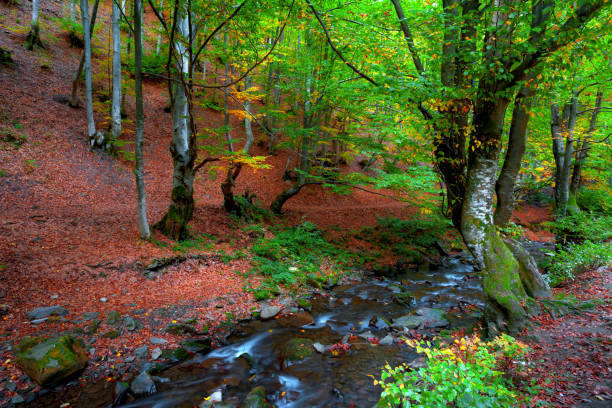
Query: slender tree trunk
[
  {"x": 517, "y": 141},
  {"x": 72, "y": 14},
  {"x": 583, "y": 151},
  {"x": 33, "y": 39},
  {"x": 116, "y": 100},
  {"x": 143, "y": 224},
  {"x": 159, "y": 37},
  {"x": 174, "y": 223},
  {"x": 91, "y": 125},
  {"x": 77, "y": 77},
  {"x": 562, "y": 132}
]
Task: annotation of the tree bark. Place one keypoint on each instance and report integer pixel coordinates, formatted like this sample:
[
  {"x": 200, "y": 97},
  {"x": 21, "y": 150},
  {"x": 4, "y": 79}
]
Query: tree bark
[
  {"x": 182, "y": 148},
  {"x": 517, "y": 141},
  {"x": 75, "y": 83},
  {"x": 143, "y": 224},
  {"x": 501, "y": 272},
  {"x": 116, "y": 99},
  {"x": 159, "y": 37},
  {"x": 33, "y": 39},
  {"x": 583, "y": 151},
  {"x": 91, "y": 125},
  {"x": 562, "y": 132}
]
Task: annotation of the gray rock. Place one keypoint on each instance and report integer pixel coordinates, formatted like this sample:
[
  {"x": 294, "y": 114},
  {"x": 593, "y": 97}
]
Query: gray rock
[
  {"x": 417, "y": 363},
  {"x": 55, "y": 296},
  {"x": 39, "y": 321},
  {"x": 130, "y": 323},
  {"x": 10, "y": 386},
  {"x": 52, "y": 361},
  {"x": 181, "y": 329},
  {"x": 366, "y": 335},
  {"x": 90, "y": 316},
  {"x": 103, "y": 300},
  {"x": 156, "y": 353},
  {"x": 319, "y": 347},
  {"x": 158, "y": 340},
  {"x": 387, "y": 340},
  {"x": 121, "y": 389},
  {"x": 143, "y": 385},
  {"x": 141, "y": 352},
  {"x": 161, "y": 380},
  {"x": 17, "y": 399},
  {"x": 433, "y": 317},
  {"x": 42, "y": 312},
  {"x": 113, "y": 317},
  {"x": 4, "y": 310},
  {"x": 408, "y": 321},
  {"x": 268, "y": 312}
]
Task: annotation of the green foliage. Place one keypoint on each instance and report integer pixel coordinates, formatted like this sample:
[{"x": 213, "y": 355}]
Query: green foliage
[
  {"x": 463, "y": 375},
  {"x": 512, "y": 230},
  {"x": 582, "y": 226},
  {"x": 577, "y": 258},
  {"x": 295, "y": 256},
  {"x": 73, "y": 29},
  {"x": 153, "y": 65},
  {"x": 597, "y": 199},
  {"x": 408, "y": 238},
  {"x": 251, "y": 209},
  {"x": 203, "y": 242}
]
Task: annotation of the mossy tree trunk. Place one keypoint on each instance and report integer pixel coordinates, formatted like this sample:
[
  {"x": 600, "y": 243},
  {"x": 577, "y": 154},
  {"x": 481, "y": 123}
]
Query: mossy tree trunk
[
  {"x": 33, "y": 39},
  {"x": 183, "y": 146},
  {"x": 502, "y": 274}
]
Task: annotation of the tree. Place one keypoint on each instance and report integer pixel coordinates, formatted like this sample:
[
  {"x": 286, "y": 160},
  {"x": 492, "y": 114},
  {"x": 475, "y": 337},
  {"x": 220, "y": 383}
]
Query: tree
[
  {"x": 138, "y": 165},
  {"x": 472, "y": 114},
  {"x": 33, "y": 39},
  {"x": 91, "y": 125},
  {"x": 116, "y": 99}
]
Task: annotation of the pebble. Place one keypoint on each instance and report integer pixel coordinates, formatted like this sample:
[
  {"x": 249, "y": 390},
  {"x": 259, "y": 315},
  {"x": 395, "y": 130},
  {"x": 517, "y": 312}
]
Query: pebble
[
  {"x": 156, "y": 353},
  {"x": 158, "y": 340},
  {"x": 268, "y": 312},
  {"x": 103, "y": 300},
  {"x": 141, "y": 352},
  {"x": 17, "y": 399}
]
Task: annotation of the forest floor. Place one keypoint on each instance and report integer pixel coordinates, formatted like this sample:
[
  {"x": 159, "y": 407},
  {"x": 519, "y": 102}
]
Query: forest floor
[{"x": 69, "y": 235}]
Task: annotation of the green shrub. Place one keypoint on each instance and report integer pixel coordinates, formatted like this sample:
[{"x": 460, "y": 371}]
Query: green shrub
[
  {"x": 153, "y": 65},
  {"x": 582, "y": 226},
  {"x": 463, "y": 375},
  {"x": 597, "y": 200},
  {"x": 577, "y": 258}
]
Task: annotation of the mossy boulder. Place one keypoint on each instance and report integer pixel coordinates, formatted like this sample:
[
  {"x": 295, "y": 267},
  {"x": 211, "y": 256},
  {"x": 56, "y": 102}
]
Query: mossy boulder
[
  {"x": 297, "y": 349},
  {"x": 53, "y": 361},
  {"x": 256, "y": 398}
]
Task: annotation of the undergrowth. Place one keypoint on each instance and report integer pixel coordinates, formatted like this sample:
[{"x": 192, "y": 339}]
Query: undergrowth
[{"x": 576, "y": 258}]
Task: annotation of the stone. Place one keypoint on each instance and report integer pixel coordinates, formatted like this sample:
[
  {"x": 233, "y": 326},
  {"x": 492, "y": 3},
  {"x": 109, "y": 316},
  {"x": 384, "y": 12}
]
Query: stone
[
  {"x": 113, "y": 317},
  {"x": 319, "y": 347},
  {"x": 297, "y": 349},
  {"x": 4, "y": 310},
  {"x": 366, "y": 335},
  {"x": 158, "y": 341},
  {"x": 433, "y": 317},
  {"x": 120, "y": 394},
  {"x": 203, "y": 345},
  {"x": 143, "y": 385},
  {"x": 268, "y": 312},
  {"x": 90, "y": 316},
  {"x": 10, "y": 386},
  {"x": 256, "y": 398},
  {"x": 17, "y": 399},
  {"x": 51, "y": 361},
  {"x": 130, "y": 323},
  {"x": 386, "y": 341},
  {"x": 113, "y": 334},
  {"x": 417, "y": 363},
  {"x": 103, "y": 300},
  {"x": 408, "y": 321},
  {"x": 39, "y": 321},
  {"x": 43, "y": 312},
  {"x": 141, "y": 352},
  {"x": 181, "y": 329},
  {"x": 156, "y": 353}
]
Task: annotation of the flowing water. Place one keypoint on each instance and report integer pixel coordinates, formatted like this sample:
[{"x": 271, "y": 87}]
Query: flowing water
[{"x": 255, "y": 356}]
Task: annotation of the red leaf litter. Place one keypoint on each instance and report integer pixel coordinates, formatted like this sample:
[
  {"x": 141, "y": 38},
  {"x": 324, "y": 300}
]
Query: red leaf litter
[{"x": 68, "y": 225}]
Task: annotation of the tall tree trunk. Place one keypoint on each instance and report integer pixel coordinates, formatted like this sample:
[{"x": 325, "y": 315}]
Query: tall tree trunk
[
  {"x": 174, "y": 223},
  {"x": 583, "y": 151},
  {"x": 517, "y": 141},
  {"x": 91, "y": 125},
  {"x": 33, "y": 39},
  {"x": 562, "y": 132},
  {"x": 77, "y": 77},
  {"x": 143, "y": 224},
  {"x": 501, "y": 271},
  {"x": 159, "y": 37},
  {"x": 116, "y": 99},
  {"x": 72, "y": 7}
]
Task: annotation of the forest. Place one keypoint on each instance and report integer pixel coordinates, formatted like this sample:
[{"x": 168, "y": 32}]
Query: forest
[{"x": 305, "y": 203}]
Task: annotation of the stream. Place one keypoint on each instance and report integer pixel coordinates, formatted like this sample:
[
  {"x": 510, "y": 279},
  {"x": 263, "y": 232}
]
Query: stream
[{"x": 260, "y": 353}]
